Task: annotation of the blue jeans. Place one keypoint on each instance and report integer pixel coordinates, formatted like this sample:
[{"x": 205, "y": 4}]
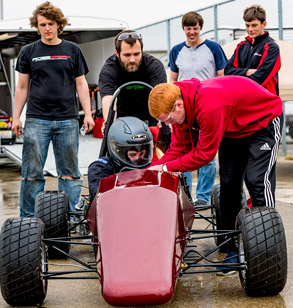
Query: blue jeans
[
  {"x": 37, "y": 136},
  {"x": 206, "y": 180}
]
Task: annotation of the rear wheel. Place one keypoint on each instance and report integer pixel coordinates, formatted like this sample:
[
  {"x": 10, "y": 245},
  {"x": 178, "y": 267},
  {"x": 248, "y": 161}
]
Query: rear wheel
[
  {"x": 262, "y": 248},
  {"x": 23, "y": 259},
  {"x": 52, "y": 208}
]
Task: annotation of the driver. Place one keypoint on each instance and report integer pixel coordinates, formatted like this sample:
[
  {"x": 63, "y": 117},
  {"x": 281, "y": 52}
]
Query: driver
[
  {"x": 130, "y": 145},
  {"x": 136, "y": 157}
]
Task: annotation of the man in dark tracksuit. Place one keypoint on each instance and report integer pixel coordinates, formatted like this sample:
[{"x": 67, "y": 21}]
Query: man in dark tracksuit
[
  {"x": 258, "y": 57},
  {"x": 236, "y": 116}
]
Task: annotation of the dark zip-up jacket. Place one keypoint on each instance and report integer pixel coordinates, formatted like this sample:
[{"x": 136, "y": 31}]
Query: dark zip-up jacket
[
  {"x": 98, "y": 170},
  {"x": 263, "y": 55}
]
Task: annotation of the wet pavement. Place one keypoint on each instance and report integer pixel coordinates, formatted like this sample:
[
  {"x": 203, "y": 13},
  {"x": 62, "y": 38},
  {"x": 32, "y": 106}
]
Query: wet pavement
[{"x": 193, "y": 291}]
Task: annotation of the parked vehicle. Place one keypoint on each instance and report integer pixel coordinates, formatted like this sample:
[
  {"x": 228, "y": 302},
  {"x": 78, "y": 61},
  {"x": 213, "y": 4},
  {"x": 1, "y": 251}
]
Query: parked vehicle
[{"x": 6, "y": 134}]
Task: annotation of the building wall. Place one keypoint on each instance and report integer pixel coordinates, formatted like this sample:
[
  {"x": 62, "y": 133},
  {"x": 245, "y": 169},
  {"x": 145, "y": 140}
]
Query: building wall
[
  {"x": 96, "y": 54},
  {"x": 229, "y": 17}
]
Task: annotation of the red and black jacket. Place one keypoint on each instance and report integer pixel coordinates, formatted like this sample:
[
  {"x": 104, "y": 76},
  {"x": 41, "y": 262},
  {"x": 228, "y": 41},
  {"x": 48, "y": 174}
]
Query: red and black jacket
[{"x": 263, "y": 55}]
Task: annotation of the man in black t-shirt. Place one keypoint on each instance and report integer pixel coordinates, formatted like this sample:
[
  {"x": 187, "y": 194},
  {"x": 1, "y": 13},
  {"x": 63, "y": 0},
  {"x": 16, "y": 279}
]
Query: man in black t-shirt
[
  {"x": 129, "y": 63},
  {"x": 51, "y": 71}
]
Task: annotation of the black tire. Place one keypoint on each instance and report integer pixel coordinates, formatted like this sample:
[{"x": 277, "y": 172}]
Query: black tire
[
  {"x": 216, "y": 213},
  {"x": 22, "y": 260},
  {"x": 262, "y": 247},
  {"x": 52, "y": 208}
]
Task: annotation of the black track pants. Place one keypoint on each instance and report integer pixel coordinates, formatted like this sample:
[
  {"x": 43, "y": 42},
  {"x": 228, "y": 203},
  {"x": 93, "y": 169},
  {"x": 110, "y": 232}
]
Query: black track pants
[{"x": 256, "y": 156}]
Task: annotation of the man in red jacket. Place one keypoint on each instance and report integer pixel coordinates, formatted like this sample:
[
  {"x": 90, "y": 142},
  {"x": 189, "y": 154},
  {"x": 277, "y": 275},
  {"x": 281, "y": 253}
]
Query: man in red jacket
[{"x": 235, "y": 115}]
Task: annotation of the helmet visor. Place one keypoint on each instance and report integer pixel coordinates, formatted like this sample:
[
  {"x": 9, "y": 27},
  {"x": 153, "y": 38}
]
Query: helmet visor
[{"x": 133, "y": 155}]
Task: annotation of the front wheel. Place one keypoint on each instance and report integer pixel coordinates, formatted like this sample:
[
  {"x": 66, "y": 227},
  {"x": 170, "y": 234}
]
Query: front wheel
[
  {"x": 262, "y": 248},
  {"x": 23, "y": 260},
  {"x": 52, "y": 208}
]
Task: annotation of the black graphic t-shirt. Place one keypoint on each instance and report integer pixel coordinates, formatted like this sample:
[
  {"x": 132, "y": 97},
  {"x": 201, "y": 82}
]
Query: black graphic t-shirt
[{"x": 52, "y": 69}]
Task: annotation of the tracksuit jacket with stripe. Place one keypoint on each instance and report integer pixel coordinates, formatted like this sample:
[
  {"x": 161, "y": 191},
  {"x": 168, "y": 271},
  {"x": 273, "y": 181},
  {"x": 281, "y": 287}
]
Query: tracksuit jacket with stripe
[{"x": 263, "y": 55}]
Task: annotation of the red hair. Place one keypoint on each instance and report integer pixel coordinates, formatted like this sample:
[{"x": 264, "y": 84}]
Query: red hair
[{"x": 162, "y": 98}]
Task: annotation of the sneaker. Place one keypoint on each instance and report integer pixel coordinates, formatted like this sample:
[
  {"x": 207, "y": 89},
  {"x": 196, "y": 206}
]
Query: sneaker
[
  {"x": 200, "y": 205},
  {"x": 199, "y": 202},
  {"x": 231, "y": 257}
]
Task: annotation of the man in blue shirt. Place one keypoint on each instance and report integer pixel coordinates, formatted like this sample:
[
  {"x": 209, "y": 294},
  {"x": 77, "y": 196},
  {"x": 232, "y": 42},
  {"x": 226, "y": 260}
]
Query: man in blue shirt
[{"x": 203, "y": 59}]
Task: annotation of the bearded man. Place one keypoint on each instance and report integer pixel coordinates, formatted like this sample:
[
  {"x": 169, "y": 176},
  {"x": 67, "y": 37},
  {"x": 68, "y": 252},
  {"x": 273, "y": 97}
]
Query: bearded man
[{"x": 130, "y": 63}]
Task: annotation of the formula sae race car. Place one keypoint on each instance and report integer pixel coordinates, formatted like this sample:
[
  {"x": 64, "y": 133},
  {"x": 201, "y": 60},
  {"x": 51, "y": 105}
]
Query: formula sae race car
[{"x": 141, "y": 228}]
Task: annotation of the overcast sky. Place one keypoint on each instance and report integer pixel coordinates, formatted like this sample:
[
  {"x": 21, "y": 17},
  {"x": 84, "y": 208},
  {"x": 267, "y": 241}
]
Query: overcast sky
[{"x": 135, "y": 12}]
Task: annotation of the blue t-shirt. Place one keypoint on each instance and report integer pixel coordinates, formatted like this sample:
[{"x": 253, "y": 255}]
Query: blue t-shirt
[{"x": 200, "y": 62}]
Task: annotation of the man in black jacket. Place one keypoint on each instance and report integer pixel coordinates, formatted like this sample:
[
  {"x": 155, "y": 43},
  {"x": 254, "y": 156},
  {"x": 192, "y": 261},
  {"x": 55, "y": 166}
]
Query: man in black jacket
[{"x": 258, "y": 57}]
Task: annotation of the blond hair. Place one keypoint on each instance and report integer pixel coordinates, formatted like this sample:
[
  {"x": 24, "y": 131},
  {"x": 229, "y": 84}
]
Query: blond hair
[{"x": 162, "y": 98}]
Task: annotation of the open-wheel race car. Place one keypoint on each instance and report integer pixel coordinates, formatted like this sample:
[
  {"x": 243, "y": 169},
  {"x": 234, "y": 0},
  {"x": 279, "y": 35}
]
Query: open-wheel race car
[{"x": 141, "y": 228}]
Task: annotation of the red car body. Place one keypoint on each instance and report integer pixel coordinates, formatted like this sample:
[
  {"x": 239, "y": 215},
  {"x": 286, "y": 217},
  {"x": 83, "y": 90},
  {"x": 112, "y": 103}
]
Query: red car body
[{"x": 139, "y": 220}]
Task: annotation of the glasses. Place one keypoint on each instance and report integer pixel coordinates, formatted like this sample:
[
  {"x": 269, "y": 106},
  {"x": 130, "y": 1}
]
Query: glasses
[
  {"x": 170, "y": 116},
  {"x": 126, "y": 35}
]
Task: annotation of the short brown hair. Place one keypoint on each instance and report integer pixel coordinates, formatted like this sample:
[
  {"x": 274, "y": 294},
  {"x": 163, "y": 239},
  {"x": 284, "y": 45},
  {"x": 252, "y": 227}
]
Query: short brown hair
[
  {"x": 254, "y": 12},
  {"x": 50, "y": 12},
  {"x": 162, "y": 98},
  {"x": 130, "y": 40},
  {"x": 191, "y": 19}
]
